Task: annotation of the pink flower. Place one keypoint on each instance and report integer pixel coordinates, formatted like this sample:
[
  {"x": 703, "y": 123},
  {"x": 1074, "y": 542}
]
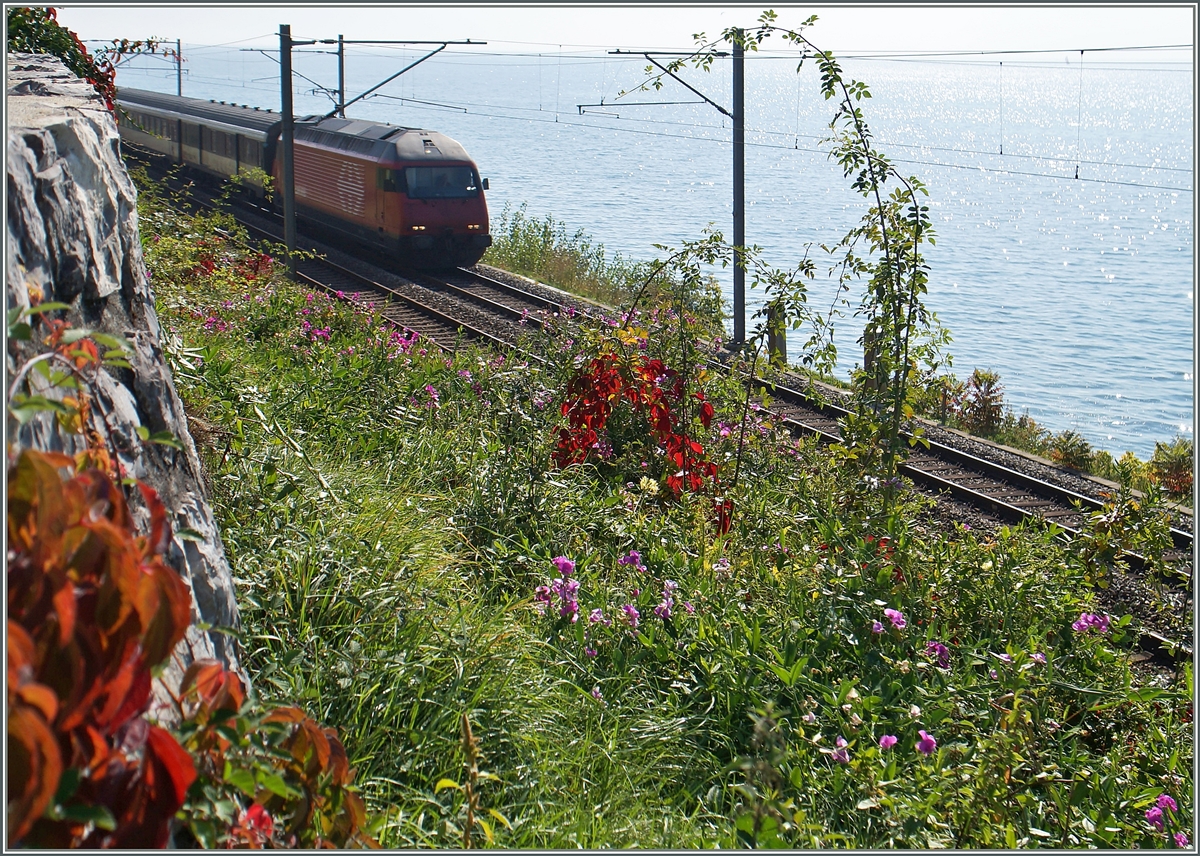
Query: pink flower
[
  {"x": 939, "y": 652},
  {"x": 1181, "y": 839},
  {"x": 896, "y": 617},
  {"x": 1154, "y": 815},
  {"x": 926, "y": 745},
  {"x": 841, "y": 754},
  {"x": 633, "y": 558},
  {"x": 565, "y": 566},
  {"x": 1089, "y": 621},
  {"x": 1039, "y": 657},
  {"x": 876, "y": 627},
  {"x": 1164, "y": 801},
  {"x": 631, "y": 615},
  {"x": 887, "y": 741}
]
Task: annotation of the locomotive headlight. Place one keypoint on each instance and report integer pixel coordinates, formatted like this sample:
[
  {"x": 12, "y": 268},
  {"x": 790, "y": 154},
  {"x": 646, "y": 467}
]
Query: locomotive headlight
[
  {"x": 473, "y": 226},
  {"x": 418, "y": 228}
]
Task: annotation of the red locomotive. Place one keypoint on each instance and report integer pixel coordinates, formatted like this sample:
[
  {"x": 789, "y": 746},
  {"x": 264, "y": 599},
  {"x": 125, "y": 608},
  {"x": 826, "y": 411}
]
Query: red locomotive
[{"x": 407, "y": 191}]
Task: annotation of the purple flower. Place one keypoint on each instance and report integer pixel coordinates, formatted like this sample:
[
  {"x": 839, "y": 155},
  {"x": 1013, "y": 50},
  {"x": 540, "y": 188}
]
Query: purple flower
[
  {"x": 633, "y": 558},
  {"x": 1181, "y": 839},
  {"x": 687, "y": 605},
  {"x": 597, "y": 695},
  {"x": 841, "y": 754},
  {"x": 1164, "y": 801},
  {"x": 1089, "y": 621},
  {"x": 896, "y": 617},
  {"x": 1006, "y": 658},
  {"x": 939, "y": 652},
  {"x": 663, "y": 610},
  {"x": 590, "y": 651},
  {"x": 876, "y": 627},
  {"x": 631, "y": 615},
  {"x": 926, "y": 745},
  {"x": 887, "y": 741},
  {"x": 597, "y": 617},
  {"x": 565, "y": 566},
  {"x": 1155, "y": 816},
  {"x": 1039, "y": 657}
]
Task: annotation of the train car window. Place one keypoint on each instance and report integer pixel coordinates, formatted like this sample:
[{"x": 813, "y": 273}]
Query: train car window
[
  {"x": 441, "y": 182},
  {"x": 390, "y": 180},
  {"x": 251, "y": 152},
  {"x": 191, "y": 135}
]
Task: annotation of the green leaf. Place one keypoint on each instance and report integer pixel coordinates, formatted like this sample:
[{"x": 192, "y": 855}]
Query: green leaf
[
  {"x": 188, "y": 534},
  {"x": 143, "y": 432},
  {"x": 52, "y": 306},
  {"x": 97, "y": 814},
  {"x": 70, "y": 337},
  {"x": 446, "y": 783},
  {"x": 166, "y": 438},
  {"x": 20, "y": 332},
  {"x": 274, "y": 783},
  {"x": 243, "y": 780},
  {"x": 500, "y": 817},
  {"x": 110, "y": 341}
]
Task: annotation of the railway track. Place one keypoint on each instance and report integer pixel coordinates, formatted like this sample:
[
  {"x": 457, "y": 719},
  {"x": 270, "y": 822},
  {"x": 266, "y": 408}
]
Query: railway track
[{"x": 998, "y": 490}]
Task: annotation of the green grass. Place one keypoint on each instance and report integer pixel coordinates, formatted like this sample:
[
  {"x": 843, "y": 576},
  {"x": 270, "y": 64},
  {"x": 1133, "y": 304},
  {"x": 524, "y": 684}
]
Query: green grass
[{"x": 388, "y": 545}]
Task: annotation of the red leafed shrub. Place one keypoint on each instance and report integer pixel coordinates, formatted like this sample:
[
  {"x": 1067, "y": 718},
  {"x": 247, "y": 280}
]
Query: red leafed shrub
[
  {"x": 656, "y": 393},
  {"x": 92, "y": 609}
]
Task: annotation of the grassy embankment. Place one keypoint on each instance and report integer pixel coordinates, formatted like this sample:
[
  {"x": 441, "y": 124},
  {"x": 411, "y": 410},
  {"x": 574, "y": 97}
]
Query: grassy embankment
[{"x": 391, "y": 512}]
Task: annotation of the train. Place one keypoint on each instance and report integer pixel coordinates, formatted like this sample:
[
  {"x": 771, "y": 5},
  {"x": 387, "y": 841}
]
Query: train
[{"x": 413, "y": 193}]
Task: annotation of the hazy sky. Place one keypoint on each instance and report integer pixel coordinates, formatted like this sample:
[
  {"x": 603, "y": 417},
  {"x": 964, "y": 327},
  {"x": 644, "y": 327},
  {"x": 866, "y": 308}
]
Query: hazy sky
[{"x": 841, "y": 28}]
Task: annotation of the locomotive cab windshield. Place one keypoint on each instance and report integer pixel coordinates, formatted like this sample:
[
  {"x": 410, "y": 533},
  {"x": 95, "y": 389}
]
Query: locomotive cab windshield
[{"x": 441, "y": 182}]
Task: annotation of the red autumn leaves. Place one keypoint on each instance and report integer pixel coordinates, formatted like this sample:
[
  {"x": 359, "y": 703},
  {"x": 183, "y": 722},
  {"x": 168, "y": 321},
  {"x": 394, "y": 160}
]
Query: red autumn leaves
[
  {"x": 647, "y": 387},
  {"x": 91, "y": 609}
]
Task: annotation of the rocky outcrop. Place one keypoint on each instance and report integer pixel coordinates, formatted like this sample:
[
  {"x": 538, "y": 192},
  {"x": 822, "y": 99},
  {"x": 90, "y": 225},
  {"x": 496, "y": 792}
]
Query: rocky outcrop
[{"x": 73, "y": 237}]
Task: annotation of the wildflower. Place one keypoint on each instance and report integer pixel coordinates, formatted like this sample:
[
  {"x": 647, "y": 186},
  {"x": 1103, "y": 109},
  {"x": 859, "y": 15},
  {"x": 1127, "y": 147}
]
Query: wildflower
[
  {"x": 648, "y": 486},
  {"x": 1154, "y": 815},
  {"x": 896, "y": 617},
  {"x": 1039, "y": 657},
  {"x": 597, "y": 617},
  {"x": 809, "y": 717},
  {"x": 1088, "y": 621},
  {"x": 1005, "y": 658},
  {"x": 914, "y": 711},
  {"x": 721, "y": 567},
  {"x": 926, "y": 745},
  {"x": 631, "y": 615},
  {"x": 565, "y": 566},
  {"x": 590, "y": 651},
  {"x": 887, "y": 741},
  {"x": 841, "y": 754},
  {"x": 994, "y": 675},
  {"x": 633, "y": 558},
  {"x": 597, "y": 695},
  {"x": 433, "y": 395},
  {"x": 876, "y": 627},
  {"x": 940, "y": 652},
  {"x": 1164, "y": 801},
  {"x": 1181, "y": 839},
  {"x": 724, "y": 429},
  {"x": 687, "y": 605}
]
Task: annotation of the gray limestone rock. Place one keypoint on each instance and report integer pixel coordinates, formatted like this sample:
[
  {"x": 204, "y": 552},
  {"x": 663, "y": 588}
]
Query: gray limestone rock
[{"x": 72, "y": 232}]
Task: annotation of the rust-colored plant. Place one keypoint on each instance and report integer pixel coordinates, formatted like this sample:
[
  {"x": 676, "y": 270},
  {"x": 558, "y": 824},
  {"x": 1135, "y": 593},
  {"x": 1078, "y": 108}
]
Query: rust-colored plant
[{"x": 92, "y": 609}]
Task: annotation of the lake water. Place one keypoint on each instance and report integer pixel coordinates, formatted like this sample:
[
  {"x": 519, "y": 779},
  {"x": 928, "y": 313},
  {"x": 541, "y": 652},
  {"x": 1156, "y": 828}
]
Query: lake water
[{"x": 1079, "y": 292}]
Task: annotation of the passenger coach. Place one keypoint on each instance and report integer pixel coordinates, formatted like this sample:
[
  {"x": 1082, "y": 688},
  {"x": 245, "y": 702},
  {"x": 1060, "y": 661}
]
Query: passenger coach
[{"x": 408, "y": 191}]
